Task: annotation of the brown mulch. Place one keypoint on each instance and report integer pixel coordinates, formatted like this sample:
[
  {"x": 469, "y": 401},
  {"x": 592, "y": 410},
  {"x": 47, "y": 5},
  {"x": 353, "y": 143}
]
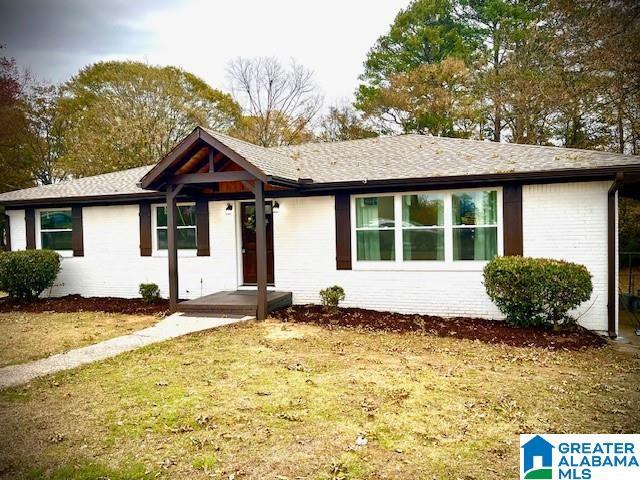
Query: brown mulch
[
  {"x": 488, "y": 331},
  {"x": 76, "y": 303}
]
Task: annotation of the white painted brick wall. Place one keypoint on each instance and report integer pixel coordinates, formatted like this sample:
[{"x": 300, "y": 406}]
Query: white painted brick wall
[
  {"x": 304, "y": 255},
  {"x": 568, "y": 221},
  {"x": 112, "y": 265},
  {"x": 565, "y": 221}
]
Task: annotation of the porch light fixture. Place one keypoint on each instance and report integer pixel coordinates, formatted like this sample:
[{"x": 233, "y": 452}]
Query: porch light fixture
[
  {"x": 228, "y": 209},
  {"x": 276, "y": 207}
]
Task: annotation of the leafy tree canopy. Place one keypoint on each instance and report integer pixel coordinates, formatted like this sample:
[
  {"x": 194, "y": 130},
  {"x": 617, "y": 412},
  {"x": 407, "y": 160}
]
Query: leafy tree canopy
[{"x": 127, "y": 114}]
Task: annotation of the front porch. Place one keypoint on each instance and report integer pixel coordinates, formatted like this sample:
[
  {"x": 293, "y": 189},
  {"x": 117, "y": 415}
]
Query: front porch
[
  {"x": 238, "y": 302},
  {"x": 208, "y": 166}
]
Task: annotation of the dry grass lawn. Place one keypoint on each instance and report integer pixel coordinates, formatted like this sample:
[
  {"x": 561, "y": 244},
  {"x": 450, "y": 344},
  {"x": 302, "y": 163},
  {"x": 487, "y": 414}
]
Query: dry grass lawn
[
  {"x": 288, "y": 401},
  {"x": 29, "y": 336}
]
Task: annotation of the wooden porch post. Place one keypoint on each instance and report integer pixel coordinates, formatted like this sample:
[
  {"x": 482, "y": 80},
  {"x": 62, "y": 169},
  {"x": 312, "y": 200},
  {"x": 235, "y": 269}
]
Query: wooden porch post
[
  {"x": 261, "y": 250},
  {"x": 172, "y": 247}
]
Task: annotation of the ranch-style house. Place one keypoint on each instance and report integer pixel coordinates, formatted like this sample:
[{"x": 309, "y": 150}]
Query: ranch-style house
[{"x": 403, "y": 223}]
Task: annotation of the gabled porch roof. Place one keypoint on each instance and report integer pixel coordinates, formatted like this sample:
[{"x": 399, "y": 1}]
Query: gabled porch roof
[{"x": 205, "y": 151}]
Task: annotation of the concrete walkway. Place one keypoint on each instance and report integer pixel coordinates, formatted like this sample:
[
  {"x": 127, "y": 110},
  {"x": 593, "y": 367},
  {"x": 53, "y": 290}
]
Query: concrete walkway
[{"x": 173, "y": 326}]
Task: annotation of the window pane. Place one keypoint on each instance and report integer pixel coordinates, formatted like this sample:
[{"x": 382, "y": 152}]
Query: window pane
[
  {"x": 162, "y": 239},
  {"x": 186, "y": 239},
  {"x": 423, "y": 244},
  {"x": 373, "y": 212},
  {"x": 475, "y": 243},
  {"x": 55, "y": 220},
  {"x": 376, "y": 245},
  {"x": 161, "y": 216},
  {"x": 56, "y": 240},
  {"x": 422, "y": 210},
  {"x": 186, "y": 216},
  {"x": 475, "y": 208}
]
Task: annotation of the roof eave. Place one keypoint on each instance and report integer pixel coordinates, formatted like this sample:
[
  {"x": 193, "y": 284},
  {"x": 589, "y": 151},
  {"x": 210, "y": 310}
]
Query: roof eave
[{"x": 577, "y": 174}]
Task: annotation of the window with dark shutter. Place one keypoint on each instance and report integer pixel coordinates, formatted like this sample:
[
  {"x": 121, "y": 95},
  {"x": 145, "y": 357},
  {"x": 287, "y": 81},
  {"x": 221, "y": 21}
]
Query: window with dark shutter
[
  {"x": 30, "y": 228},
  {"x": 512, "y": 213},
  {"x": 343, "y": 231},
  {"x": 202, "y": 227},
  {"x": 77, "y": 236},
  {"x": 145, "y": 229}
]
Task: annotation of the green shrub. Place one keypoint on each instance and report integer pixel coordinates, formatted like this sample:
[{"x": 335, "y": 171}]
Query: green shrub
[
  {"x": 332, "y": 296},
  {"x": 25, "y": 274},
  {"x": 536, "y": 292},
  {"x": 150, "y": 292}
]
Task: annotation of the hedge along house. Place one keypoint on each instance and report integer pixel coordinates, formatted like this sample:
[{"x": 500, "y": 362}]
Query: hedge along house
[{"x": 403, "y": 223}]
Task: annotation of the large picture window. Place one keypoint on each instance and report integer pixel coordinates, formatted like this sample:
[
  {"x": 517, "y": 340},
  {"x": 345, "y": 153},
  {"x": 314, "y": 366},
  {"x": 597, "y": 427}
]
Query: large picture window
[
  {"x": 186, "y": 227},
  {"x": 56, "y": 229},
  {"x": 428, "y": 227},
  {"x": 375, "y": 228}
]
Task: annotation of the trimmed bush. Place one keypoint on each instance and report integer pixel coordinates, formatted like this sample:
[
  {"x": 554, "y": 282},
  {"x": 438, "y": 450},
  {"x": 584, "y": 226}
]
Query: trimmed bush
[
  {"x": 150, "y": 292},
  {"x": 332, "y": 296},
  {"x": 536, "y": 292},
  {"x": 25, "y": 274}
]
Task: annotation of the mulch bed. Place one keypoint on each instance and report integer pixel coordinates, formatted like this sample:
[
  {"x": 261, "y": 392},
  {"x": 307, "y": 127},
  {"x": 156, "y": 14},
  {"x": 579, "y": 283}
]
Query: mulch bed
[
  {"x": 489, "y": 331},
  {"x": 76, "y": 303}
]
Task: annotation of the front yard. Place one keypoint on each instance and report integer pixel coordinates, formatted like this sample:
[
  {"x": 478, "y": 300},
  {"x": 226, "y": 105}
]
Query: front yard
[
  {"x": 29, "y": 336},
  {"x": 288, "y": 401}
]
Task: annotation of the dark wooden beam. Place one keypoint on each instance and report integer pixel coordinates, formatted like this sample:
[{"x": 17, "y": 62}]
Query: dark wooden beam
[
  {"x": 232, "y": 155},
  {"x": 212, "y": 167},
  {"x": 204, "y": 178},
  {"x": 261, "y": 250},
  {"x": 172, "y": 244},
  {"x": 155, "y": 174}
]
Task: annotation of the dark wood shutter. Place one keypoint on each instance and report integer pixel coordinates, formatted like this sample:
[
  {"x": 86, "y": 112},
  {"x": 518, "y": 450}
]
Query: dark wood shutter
[
  {"x": 7, "y": 233},
  {"x": 77, "y": 237},
  {"x": 30, "y": 226},
  {"x": 343, "y": 231},
  {"x": 512, "y": 214},
  {"x": 202, "y": 224},
  {"x": 145, "y": 229}
]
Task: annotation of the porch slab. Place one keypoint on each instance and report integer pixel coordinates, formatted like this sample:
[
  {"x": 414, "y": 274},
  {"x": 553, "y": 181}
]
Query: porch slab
[{"x": 235, "y": 302}]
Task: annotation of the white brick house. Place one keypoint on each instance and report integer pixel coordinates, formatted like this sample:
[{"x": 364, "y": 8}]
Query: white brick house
[{"x": 402, "y": 223}]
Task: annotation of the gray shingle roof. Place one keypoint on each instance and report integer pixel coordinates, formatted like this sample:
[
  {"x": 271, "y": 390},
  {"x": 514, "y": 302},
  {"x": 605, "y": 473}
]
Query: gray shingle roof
[
  {"x": 422, "y": 156},
  {"x": 269, "y": 160},
  {"x": 382, "y": 158},
  {"x": 116, "y": 183}
]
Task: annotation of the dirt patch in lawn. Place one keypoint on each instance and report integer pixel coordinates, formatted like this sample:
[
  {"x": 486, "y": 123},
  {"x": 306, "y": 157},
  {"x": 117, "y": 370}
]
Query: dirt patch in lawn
[
  {"x": 76, "y": 303},
  {"x": 489, "y": 331}
]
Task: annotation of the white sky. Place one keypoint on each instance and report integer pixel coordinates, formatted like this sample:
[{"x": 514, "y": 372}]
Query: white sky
[{"x": 331, "y": 37}]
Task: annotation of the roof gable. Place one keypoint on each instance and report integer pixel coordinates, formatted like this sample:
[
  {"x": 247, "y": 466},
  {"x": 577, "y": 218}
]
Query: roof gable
[{"x": 261, "y": 162}]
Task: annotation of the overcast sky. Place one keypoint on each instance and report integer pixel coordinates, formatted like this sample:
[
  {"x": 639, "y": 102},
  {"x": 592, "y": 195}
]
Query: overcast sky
[{"x": 54, "y": 38}]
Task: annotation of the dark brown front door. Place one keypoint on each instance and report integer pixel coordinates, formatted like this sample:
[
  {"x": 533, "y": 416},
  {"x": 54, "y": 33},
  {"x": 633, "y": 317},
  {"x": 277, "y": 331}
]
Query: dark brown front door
[{"x": 248, "y": 216}]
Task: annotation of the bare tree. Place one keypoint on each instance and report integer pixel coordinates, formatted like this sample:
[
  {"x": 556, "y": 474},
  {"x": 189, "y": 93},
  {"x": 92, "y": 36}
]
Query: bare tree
[{"x": 279, "y": 103}]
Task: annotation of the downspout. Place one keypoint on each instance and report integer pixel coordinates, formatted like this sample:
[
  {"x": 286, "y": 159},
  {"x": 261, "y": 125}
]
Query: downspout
[{"x": 612, "y": 281}]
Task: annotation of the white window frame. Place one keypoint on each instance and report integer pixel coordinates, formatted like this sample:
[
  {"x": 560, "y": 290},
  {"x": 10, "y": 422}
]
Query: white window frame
[
  {"x": 40, "y": 230},
  {"x": 190, "y": 252},
  {"x": 448, "y": 264},
  {"x": 374, "y": 229}
]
